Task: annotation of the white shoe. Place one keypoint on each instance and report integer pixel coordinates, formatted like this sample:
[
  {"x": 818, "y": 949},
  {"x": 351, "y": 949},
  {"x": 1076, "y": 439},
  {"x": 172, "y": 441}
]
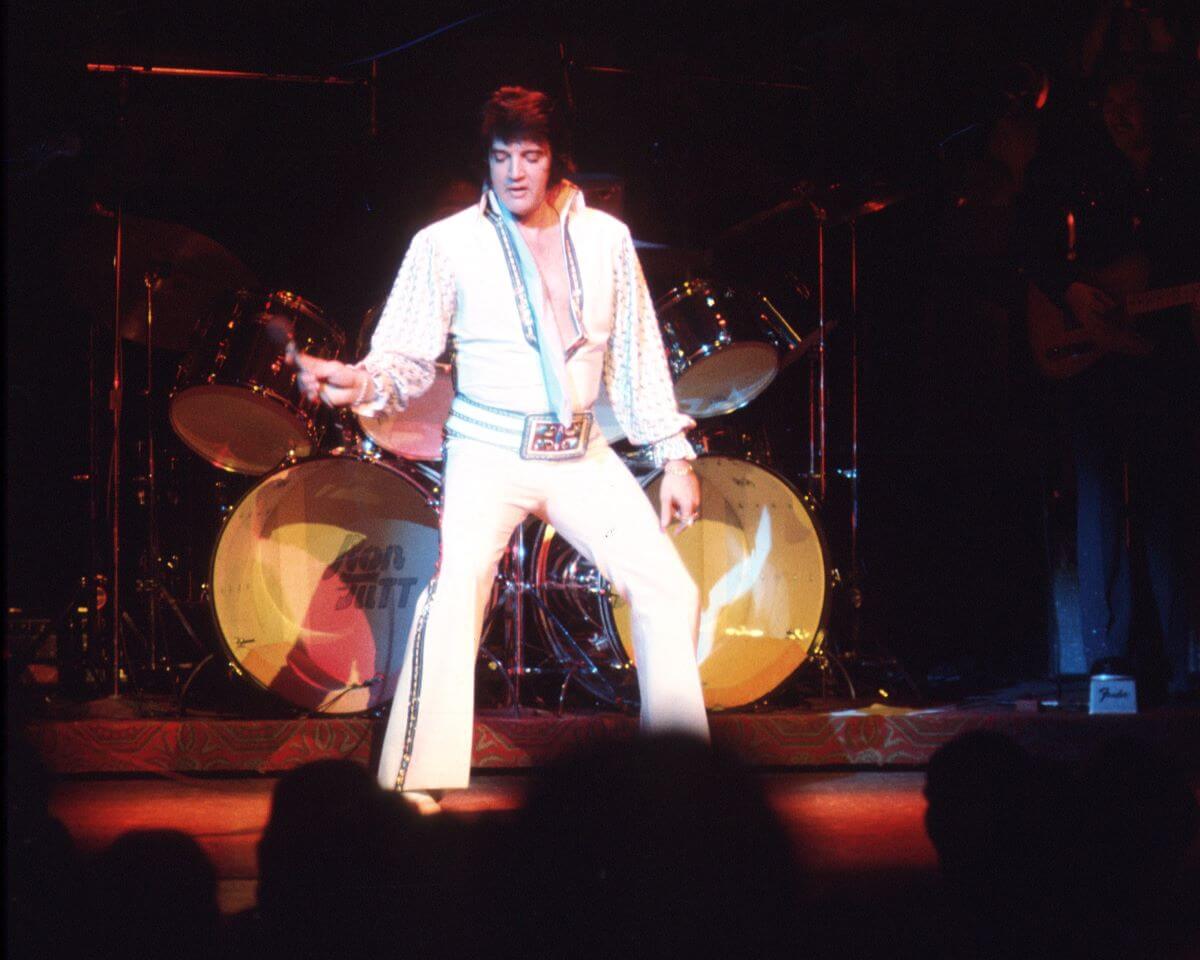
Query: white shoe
[{"x": 425, "y": 804}]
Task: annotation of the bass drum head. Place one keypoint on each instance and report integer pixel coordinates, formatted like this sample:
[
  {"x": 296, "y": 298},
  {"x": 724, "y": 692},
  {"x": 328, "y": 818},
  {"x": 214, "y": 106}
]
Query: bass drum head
[
  {"x": 316, "y": 578},
  {"x": 758, "y": 557}
]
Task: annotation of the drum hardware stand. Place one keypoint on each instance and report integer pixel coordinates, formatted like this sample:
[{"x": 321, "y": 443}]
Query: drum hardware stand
[
  {"x": 116, "y": 395},
  {"x": 515, "y": 588},
  {"x": 581, "y": 663},
  {"x": 857, "y": 597},
  {"x": 92, "y": 595},
  {"x": 88, "y": 598},
  {"x": 817, "y": 393},
  {"x": 153, "y": 584},
  {"x": 822, "y": 389},
  {"x": 511, "y": 587},
  {"x": 826, "y": 659},
  {"x": 181, "y": 700},
  {"x": 826, "y": 649},
  {"x": 149, "y": 280}
]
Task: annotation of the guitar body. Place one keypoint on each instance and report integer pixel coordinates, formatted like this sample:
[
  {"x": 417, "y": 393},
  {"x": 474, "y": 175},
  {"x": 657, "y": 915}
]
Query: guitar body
[{"x": 1063, "y": 347}]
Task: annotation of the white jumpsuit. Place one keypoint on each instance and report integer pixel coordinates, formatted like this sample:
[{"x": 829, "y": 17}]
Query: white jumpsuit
[{"x": 456, "y": 280}]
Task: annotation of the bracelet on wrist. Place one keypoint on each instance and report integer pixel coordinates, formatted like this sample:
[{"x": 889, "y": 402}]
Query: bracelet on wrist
[
  {"x": 678, "y": 468},
  {"x": 368, "y": 384}
]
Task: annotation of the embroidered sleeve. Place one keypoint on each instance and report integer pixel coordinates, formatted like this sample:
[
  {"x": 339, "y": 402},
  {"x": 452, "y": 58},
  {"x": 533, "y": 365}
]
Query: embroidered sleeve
[
  {"x": 635, "y": 368},
  {"x": 412, "y": 329}
]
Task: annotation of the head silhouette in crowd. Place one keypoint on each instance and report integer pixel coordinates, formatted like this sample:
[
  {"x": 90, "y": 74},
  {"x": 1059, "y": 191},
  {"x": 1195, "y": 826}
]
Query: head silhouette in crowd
[
  {"x": 654, "y": 848},
  {"x": 153, "y": 894}
]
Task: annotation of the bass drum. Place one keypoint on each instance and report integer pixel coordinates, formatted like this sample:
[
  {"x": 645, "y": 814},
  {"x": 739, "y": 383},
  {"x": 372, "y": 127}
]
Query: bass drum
[
  {"x": 759, "y": 557},
  {"x": 316, "y": 577}
]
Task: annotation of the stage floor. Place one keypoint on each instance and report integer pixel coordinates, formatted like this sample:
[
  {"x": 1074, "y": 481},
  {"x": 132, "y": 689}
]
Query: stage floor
[{"x": 149, "y": 735}]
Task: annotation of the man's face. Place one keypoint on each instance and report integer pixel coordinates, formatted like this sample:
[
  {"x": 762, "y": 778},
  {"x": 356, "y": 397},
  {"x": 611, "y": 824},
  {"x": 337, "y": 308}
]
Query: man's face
[
  {"x": 520, "y": 173},
  {"x": 1125, "y": 116}
]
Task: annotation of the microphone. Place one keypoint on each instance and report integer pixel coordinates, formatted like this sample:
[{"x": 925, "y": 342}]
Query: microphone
[{"x": 281, "y": 334}]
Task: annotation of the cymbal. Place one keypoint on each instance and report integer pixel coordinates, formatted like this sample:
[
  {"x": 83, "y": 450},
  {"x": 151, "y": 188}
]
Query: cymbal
[
  {"x": 832, "y": 203},
  {"x": 843, "y": 201},
  {"x": 186, "y": 271}
]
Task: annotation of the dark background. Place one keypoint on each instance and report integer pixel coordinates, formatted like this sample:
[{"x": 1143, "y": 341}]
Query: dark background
[{"x": 723, "y": 111}]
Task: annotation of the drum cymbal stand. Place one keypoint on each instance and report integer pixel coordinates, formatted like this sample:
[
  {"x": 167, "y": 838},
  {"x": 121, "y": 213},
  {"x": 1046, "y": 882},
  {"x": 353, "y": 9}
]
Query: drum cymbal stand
[
  {"x": 854, "y": 582},
  {"x": 115, "y": 398},
  {"x": 153, "y": 584},
  {"x": 818, "y": 415},
  {"x": 824, "y": 650}
]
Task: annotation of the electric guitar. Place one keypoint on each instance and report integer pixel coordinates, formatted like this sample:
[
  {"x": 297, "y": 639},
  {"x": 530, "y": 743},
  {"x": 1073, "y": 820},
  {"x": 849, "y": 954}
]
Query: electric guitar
[{"x": 1064, "y": 347}]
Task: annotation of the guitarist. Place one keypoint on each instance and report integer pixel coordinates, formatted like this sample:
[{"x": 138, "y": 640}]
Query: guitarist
[{"x": 1121, "y": 217}]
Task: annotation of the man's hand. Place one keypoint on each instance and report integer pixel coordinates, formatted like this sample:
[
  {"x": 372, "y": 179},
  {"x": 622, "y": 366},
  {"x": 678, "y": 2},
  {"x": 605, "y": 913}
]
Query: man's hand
[
  {"x": 331, "y": 381},
  {"x": 1091, "y": 306},
  {"x": 1097, "y": 312},
  {"x": 679, "y": 498}
]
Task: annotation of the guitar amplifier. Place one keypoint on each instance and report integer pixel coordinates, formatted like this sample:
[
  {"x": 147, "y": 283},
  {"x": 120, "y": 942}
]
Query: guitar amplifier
[{"x": 1111, "y": 693}]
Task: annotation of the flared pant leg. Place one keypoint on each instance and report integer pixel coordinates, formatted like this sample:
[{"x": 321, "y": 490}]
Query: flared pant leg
[
  {"x": 429, "y": 733},
  {"x": 602, "y": 511}
]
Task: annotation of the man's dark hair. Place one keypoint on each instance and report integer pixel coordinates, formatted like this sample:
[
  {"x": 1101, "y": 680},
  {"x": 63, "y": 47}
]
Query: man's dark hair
[{"x": 514, "y": 113}]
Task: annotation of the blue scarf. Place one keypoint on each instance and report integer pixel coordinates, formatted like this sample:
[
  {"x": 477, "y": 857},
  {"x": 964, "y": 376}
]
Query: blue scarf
[{"x": 549, "y": 342}]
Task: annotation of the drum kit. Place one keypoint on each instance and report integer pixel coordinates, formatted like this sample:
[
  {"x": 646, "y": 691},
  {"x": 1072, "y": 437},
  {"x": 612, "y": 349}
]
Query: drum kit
[{"x": 315, "y": 572}]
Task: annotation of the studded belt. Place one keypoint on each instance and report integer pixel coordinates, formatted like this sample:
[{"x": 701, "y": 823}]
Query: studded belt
[{"x": 537, "y": 436}]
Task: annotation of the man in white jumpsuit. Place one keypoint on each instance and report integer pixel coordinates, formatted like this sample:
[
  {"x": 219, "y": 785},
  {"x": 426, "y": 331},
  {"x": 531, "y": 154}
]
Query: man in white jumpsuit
[{"x": 545, "y": 299}]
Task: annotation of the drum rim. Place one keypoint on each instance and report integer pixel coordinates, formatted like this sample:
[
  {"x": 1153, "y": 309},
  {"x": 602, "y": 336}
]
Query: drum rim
[
  {"x": 679, "y": 363},
  {"x": 310, "y": 423},
  {"x": 809, "y": 504},
  {"x": 682, "y": 290},
  {"x": 225, "y": 650},
  {"x": 305, "y": 306},
  {"x": 308, "y": 307}
]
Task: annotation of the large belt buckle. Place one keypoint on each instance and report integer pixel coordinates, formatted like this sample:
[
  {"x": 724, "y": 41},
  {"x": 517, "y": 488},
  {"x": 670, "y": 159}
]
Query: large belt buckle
[{"x": 547, "y": 439}]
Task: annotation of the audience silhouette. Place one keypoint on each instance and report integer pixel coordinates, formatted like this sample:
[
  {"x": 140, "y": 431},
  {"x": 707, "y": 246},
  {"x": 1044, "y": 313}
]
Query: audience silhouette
[
  {"x": 655, "y": 847},
  {"x": 152, "y": 894}
]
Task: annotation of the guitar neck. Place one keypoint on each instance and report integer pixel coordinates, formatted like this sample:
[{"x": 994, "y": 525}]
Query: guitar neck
[{"x": 1137, "y": 304}]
